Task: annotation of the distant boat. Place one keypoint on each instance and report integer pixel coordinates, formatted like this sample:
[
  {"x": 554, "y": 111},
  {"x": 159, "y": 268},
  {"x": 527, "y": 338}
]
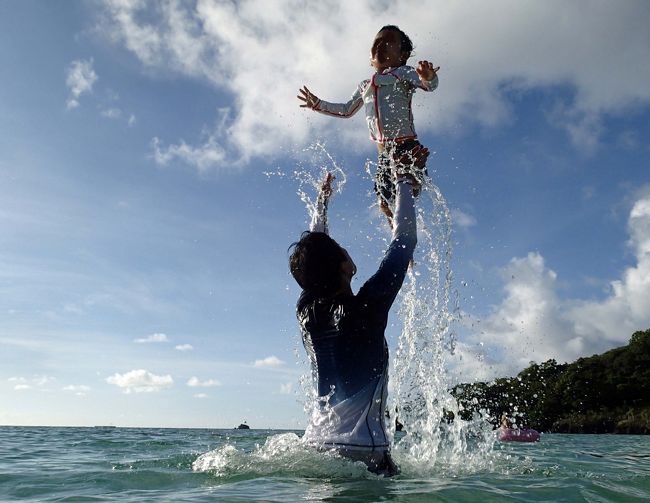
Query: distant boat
[{"x": 243, "y": 426}]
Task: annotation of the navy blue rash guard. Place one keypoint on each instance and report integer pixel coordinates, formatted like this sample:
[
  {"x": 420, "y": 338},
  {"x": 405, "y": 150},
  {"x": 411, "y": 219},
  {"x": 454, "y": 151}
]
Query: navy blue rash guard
[{"x": 344, "y": 339}]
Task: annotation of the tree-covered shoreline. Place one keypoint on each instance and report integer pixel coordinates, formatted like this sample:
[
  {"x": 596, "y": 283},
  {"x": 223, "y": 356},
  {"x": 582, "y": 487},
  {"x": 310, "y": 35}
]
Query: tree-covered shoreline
[{"x": 606, "y": 393}]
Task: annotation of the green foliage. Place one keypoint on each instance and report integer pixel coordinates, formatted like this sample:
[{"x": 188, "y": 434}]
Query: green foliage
[{"x": 607, "y": 393}]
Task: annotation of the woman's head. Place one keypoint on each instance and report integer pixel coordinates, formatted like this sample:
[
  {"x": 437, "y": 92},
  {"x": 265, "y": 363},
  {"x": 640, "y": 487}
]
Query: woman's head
[{"x": 319, "y": 264}]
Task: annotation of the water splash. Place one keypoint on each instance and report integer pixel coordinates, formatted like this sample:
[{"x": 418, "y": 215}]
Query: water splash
[
  {"x": 313, "y": 171},
  {"x": 436, "y": 438},
  {"x": 313, "y": 165},
  {"x": 280, "y": 454}
]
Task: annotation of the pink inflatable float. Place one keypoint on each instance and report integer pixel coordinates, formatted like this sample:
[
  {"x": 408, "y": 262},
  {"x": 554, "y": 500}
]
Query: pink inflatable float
[{"x": 517, "y": 435}]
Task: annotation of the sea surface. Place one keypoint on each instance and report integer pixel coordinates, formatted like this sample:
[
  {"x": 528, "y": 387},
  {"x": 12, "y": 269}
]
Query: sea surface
[{"x": 144, "y": 464}]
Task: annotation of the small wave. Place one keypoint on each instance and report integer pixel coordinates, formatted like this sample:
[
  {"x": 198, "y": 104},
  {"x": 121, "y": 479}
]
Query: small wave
[{"x": 283, "y": 454}]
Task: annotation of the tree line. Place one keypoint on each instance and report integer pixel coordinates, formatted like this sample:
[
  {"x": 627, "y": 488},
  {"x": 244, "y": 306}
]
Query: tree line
[{"x": 606, "y": 393}]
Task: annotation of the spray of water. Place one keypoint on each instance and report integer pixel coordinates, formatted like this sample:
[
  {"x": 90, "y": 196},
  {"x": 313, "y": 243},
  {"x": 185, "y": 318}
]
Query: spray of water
[
  {"x": 437, "y": 441},
  {"x": 312, "y": 168},
  {"x": 280, "y": 454},
  {"x": 436, "y": 438},
  {"x": 313, "y": 165}
]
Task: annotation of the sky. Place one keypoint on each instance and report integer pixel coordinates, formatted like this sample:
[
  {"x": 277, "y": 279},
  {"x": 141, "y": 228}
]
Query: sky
[{"x": 147, "y": 202}]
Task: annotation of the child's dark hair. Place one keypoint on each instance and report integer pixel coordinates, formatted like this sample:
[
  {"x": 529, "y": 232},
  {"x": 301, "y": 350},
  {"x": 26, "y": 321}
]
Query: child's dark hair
[
  {"x": 406, "y": 44},
  {"x": 315, "y": 263}
]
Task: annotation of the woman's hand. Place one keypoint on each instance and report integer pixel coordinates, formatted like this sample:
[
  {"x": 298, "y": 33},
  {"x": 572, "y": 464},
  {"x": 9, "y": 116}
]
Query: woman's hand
[{"x": 326, "y": 186}]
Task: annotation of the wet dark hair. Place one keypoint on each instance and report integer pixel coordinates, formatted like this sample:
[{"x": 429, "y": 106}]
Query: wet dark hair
[
  {"x": 315, "y": 263},
  {"x": 406, "y": 45}
]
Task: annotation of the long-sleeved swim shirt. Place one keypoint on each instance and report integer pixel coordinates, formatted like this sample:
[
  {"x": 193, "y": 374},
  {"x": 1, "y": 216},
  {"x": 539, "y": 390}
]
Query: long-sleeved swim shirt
[
  {"x": 386, "y": 97},
  {"x": 344, "y": 339}
]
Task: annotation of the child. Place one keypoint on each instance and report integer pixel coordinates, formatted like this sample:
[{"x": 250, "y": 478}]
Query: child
[{"x": 387, "y": 98}]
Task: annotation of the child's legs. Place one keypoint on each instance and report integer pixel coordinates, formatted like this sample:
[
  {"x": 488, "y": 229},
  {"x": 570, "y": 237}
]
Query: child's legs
[
  {"x": 402, "y": 151},
  {"x": 395, "y": 156},
  {"x": 404, "y": 162}
]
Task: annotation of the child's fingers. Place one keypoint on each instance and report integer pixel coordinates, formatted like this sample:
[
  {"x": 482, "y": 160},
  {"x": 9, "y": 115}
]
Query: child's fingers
[
  {"x": 308, "y": 97},
  {"x": 307, "y": 94},
  {"x": 428, "y": 64}
]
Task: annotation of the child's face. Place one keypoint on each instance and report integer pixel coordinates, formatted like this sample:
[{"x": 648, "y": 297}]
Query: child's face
[{"x": 386, "y": 50}]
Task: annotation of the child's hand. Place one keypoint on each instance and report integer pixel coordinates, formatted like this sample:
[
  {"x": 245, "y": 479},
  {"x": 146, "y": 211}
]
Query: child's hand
[
  {"x": 426, "y": 71},
  {"x": 310, "y": 99}
]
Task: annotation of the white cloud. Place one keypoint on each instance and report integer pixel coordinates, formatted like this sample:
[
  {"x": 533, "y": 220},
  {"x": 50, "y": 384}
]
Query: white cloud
[
  {"x": 628, "y": 306},
  {"x": 152, "y": 338},
  {"x": 200, "y": 395},
  {"x": 77, "y": 389},
  {"x": 42, "y": 380},
  {"x": 268, "y": 362},
  {"x": 110, "y": 109},
  {"x": 140, "y": 381},
  {"x": 527, "y": 325},
  {"x": 469, "y": 363},
  {"x": 184, "y": 347},
  {"x": 588, "y": 192},
  {"x": 73, "y": 308},
  {"x": 286, "y": 389},
  {"x": 204, "y": 156},
  {"x": 584, "y": 127},
  {"x": 533, "y": 323},
  {"x": 111, "y": 113},
  {"x": 80, "y": 78},
  {"x": 208, "y": 383},
  {"x": 484, "y": 54},
  {"x": 629, "y": 140},
  {"x": 462, "y": 219},
  {"x": 36, "y": 381}
]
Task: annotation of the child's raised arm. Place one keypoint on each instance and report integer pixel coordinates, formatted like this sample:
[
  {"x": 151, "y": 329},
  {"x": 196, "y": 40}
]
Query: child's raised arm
[
  {"x": 426, "y": 71},
  {"x": 423, "y": 77},
  {"x": 309, "y": 98},
  {"x": 343, "y": 110}
]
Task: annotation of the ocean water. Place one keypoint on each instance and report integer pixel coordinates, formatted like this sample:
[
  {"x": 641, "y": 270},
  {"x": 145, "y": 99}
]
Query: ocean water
[{"x": 143, "y": 464}]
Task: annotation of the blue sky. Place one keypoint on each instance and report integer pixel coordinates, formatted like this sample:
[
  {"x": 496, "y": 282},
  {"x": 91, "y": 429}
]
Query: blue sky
[{"x": 143, "y": 276}]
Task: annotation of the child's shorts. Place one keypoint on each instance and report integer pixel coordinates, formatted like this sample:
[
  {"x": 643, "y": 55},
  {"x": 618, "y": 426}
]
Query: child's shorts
[{"x": 384, "y": 180}]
